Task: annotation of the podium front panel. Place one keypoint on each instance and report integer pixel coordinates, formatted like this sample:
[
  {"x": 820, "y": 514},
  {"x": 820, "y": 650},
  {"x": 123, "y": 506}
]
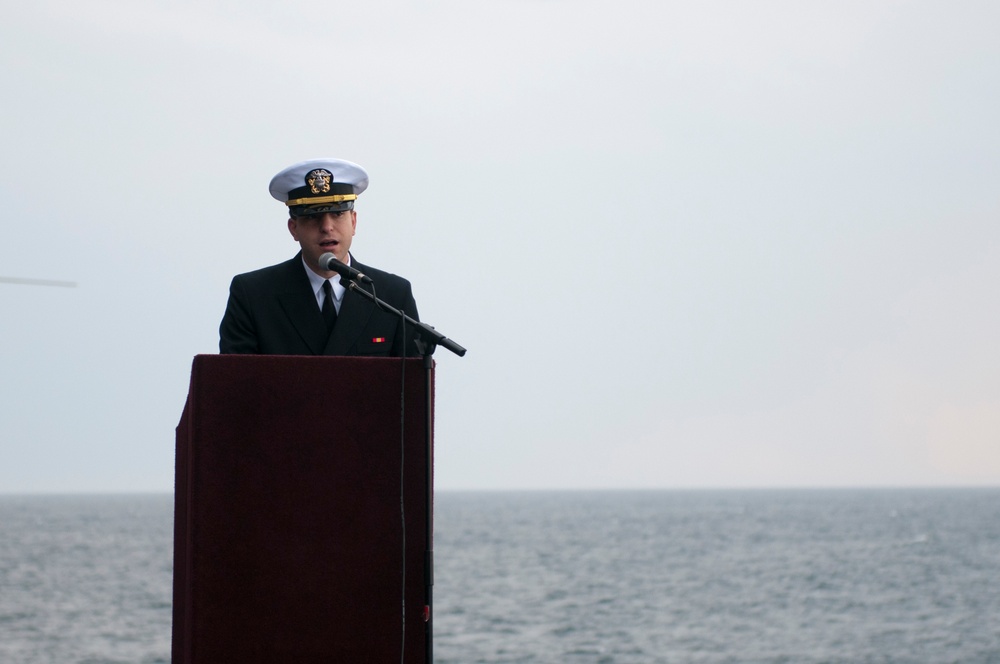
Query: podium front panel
[{"x": 300, "y": 511}]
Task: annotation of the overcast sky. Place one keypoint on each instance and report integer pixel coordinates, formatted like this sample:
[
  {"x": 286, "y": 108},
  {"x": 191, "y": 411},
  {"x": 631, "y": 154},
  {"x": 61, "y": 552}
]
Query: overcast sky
[{"x": 687, "y": 244}]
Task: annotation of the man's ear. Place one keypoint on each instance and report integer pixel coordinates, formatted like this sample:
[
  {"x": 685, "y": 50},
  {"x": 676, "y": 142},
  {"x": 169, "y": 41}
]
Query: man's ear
[{"x": 292, "y": 228}]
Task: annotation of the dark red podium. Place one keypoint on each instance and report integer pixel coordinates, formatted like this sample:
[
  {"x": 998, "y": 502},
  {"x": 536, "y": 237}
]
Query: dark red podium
[{"x": 300, "y": 511}]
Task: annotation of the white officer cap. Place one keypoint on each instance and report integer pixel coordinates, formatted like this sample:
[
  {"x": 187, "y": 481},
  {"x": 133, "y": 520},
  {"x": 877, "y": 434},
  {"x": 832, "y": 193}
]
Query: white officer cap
[{"x": 319, "y": 185}]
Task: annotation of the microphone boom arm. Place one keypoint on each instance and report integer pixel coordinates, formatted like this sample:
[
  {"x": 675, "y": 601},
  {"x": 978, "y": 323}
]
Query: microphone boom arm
[{"x": 428, "y": 334}]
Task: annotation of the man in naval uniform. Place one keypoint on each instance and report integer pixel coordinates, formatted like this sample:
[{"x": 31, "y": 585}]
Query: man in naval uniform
[{"x": 300, "y": 308}]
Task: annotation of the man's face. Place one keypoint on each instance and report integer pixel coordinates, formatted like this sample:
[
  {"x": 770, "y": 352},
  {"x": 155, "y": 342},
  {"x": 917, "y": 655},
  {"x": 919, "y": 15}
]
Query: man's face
[{"x": 321, "y": 233}]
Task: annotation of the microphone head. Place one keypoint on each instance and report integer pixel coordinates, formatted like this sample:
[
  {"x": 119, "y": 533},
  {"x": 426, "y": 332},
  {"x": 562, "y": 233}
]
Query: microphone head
[{"x": 324, "y": 260}]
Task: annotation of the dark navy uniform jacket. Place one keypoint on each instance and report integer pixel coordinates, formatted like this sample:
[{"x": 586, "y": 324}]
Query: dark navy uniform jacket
[{"x": 273, "y": 311}]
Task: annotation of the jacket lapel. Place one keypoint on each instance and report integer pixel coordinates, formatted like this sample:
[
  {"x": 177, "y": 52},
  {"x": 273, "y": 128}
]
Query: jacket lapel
[
  {"x": 355, "y": 310},
  {"x": 299, "y": 304}
]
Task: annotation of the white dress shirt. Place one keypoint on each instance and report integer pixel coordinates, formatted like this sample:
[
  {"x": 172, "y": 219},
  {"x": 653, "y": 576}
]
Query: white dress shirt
[{"x": 316, "y": 282}]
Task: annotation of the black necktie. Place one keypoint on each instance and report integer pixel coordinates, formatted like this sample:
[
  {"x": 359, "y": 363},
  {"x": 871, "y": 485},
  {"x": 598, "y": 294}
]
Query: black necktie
[{"x": 329, "y": 310}]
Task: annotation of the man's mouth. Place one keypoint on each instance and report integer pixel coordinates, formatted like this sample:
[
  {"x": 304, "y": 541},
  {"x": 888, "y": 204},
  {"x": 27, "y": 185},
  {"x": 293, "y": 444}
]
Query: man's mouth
[{"x": 329, "y": 244}]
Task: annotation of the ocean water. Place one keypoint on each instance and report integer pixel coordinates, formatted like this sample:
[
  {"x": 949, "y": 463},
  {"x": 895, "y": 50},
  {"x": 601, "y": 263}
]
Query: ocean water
[{"x": 908, "y": 576}]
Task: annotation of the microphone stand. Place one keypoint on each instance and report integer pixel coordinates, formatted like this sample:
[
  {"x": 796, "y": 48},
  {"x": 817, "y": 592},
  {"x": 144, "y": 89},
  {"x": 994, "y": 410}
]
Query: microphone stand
[{"x": 427, "y": 340}]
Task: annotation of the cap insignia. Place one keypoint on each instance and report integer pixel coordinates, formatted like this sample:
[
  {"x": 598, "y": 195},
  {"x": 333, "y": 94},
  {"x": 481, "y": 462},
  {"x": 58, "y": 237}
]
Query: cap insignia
[{"x": 319, "y": 180}]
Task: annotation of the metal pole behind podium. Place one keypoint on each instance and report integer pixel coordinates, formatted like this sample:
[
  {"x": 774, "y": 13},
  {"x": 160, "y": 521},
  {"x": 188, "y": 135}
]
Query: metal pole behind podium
[
  {"x": 427, "y": 340},
  {"x": 429, "y": 507}
]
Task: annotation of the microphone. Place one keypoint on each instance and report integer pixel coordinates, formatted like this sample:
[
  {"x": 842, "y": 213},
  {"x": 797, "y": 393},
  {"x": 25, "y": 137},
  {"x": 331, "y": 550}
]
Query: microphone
[{"x": 330, "y": 263}]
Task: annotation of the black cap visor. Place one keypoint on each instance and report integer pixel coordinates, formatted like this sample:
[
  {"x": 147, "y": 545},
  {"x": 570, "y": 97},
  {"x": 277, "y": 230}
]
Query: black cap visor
[{"x": 309, "y": 210}]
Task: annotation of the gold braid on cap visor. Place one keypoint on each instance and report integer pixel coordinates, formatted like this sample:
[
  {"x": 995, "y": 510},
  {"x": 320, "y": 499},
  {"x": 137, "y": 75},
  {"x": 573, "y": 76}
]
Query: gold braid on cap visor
[{"x": 319, "y": 200}]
